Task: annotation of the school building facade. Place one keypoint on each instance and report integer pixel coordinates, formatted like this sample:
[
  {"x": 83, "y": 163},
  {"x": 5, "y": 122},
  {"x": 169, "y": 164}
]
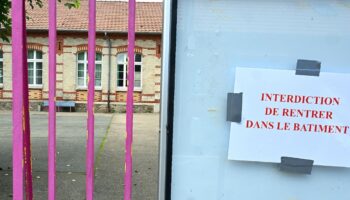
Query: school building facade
[{"x": 111, "y": 57}]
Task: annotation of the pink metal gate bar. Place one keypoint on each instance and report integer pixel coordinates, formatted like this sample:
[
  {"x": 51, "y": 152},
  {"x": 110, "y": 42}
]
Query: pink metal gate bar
[
  {"x": 90, "y": 106},
  {"x": 26, "y": 140},
  {"x": 18, "y": 116},
  {"x": 52, "y": 102},
  {"x": 21, "y": 151},
  {"x": 130, "y": 102}
]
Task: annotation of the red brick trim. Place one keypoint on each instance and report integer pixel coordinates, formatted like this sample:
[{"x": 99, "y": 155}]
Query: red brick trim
[
  {"x": 147, "y": 95},
  {"x": 84, "y": 47},
  {"x": 158, "y": 66},
  {"x": 124, "y": 48},
  {"x": 35, "y": 94},
  {"x": 60, "y": 45},
  {"x": 105, "y": 93},
  {"x": 35, "y": 46},
  {"x": 68, "y": 92},
  {"x": 151, "y": 49},
  {"x": 156, "y": 101},
  {"x": 0, "y": 46},
  {"x": 158, "y": 49},
  {"x": 156, "y": 83}
]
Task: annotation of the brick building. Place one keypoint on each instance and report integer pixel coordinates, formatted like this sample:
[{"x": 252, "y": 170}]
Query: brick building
[{"x": 111, "y": 57}]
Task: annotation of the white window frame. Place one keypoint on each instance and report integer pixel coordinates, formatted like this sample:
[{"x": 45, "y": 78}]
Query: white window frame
[
  {"x": 34, "y": 60},
  {"x": 125, "y": 67},
  {"x": 85, "y": 63},
  {"x": 2, "y": 74}
]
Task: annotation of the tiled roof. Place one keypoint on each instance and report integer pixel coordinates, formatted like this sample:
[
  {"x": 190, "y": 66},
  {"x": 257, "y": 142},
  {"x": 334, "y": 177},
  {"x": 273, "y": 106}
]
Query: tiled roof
[{"x": 111, "y": 16}]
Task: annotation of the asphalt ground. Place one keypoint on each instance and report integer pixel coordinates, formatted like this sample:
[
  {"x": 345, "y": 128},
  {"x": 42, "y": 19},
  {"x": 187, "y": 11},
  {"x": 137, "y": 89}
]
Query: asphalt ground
[{"x": 71, "y": 148}]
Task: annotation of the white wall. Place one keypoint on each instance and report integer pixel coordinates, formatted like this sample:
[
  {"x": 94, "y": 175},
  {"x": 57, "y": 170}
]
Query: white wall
[{"x": 215, "y": 37}]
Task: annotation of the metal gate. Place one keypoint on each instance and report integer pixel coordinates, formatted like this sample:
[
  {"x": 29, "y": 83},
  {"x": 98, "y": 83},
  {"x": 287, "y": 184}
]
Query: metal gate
[{"x": 21, "y": 152}]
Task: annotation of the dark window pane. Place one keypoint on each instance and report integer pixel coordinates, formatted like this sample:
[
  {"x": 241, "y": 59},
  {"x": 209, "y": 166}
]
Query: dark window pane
[
  {"x": 1, "y": 73},
  {"x": 138, "y": 57},
  {"x": 98, "y": 56},
  {"x": 39, "y": 66},
  {"x": 137, "y": 68},
  {"x": 81, "y": 74},
  {"x": 120, "y": 75},
  {"x": 97, "y": 75},
  {"x": 81, "y": 56},
  {"x": 120, "y": 68},
  {"x": 30, "y": 73},
  {"x": 120, "y": 83},
  {"x": 1, "y": 54},
  {"x": 98, "y": 67},
  {"x": 30, "y": 65},
  {"x": 39, "y": 55},
  {"x": 39, "y": 80},
  {"x": 30, "y": 80},
  {"x": 30, "y": 54},
  {"x": 81, "y": 67},
  {"x": 97, "y": 82},
  {"x": 39, "y": 73}
]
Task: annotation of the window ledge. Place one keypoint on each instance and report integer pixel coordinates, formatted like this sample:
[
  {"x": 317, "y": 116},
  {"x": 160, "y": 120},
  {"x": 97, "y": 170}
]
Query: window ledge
[
  {"x": 124, "y": 89},
  {"x": 35, "y": 86}
]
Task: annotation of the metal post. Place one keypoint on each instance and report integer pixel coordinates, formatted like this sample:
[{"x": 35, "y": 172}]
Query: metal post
[
  {"x": 52, "y": 102},
  {"x": 90, "y": 105},
  {"x": 27, "y": 152},
  {"x": 18, "y": 117},
  {"x": 130, "y": 102}
]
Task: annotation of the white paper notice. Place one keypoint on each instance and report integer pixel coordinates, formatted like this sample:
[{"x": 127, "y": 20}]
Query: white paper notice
[{"x": 298, "y": 116}]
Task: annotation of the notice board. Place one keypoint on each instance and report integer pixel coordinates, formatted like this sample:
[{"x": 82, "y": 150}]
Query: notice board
[
  {"x": 211, "y": 40},
  {"x": 289, "y": 115}
]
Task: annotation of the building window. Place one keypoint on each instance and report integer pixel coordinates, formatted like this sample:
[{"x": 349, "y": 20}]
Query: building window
[
  {"x": 1, "y": 67},
  {"x": 35, "y": 67},
  {"x": 83, "y": 70},
  {"x": 122, "y": 75}
]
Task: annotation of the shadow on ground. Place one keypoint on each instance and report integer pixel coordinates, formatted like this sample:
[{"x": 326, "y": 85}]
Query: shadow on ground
[{"x": 71, "y": 143}]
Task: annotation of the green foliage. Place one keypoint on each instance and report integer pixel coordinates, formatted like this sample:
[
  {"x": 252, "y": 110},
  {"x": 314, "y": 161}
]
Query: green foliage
[
  {"x": 5, "y": 21},
  {"x": 5, "y": 16},
  {"x": 72, "y": 4}
]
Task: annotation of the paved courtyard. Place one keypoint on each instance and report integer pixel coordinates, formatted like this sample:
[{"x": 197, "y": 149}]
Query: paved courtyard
[{"x": 71, "y": 142}]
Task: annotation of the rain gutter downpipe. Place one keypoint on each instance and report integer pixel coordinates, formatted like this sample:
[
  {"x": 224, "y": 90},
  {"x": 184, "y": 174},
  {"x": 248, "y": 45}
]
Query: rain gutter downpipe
[{"x": 109, "y": 72}]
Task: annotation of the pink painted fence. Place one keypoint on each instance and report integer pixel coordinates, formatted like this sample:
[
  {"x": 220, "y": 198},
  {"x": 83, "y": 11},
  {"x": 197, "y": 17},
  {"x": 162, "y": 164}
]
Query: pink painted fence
[{"x": 21, "y": 153}]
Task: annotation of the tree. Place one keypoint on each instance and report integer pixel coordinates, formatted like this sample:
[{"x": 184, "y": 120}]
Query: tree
[{"x": 5, "y": 17}]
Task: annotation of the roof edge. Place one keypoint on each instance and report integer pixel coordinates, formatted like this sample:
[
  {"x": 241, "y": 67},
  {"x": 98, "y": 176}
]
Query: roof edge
[{"x": 85, "y": 31}]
